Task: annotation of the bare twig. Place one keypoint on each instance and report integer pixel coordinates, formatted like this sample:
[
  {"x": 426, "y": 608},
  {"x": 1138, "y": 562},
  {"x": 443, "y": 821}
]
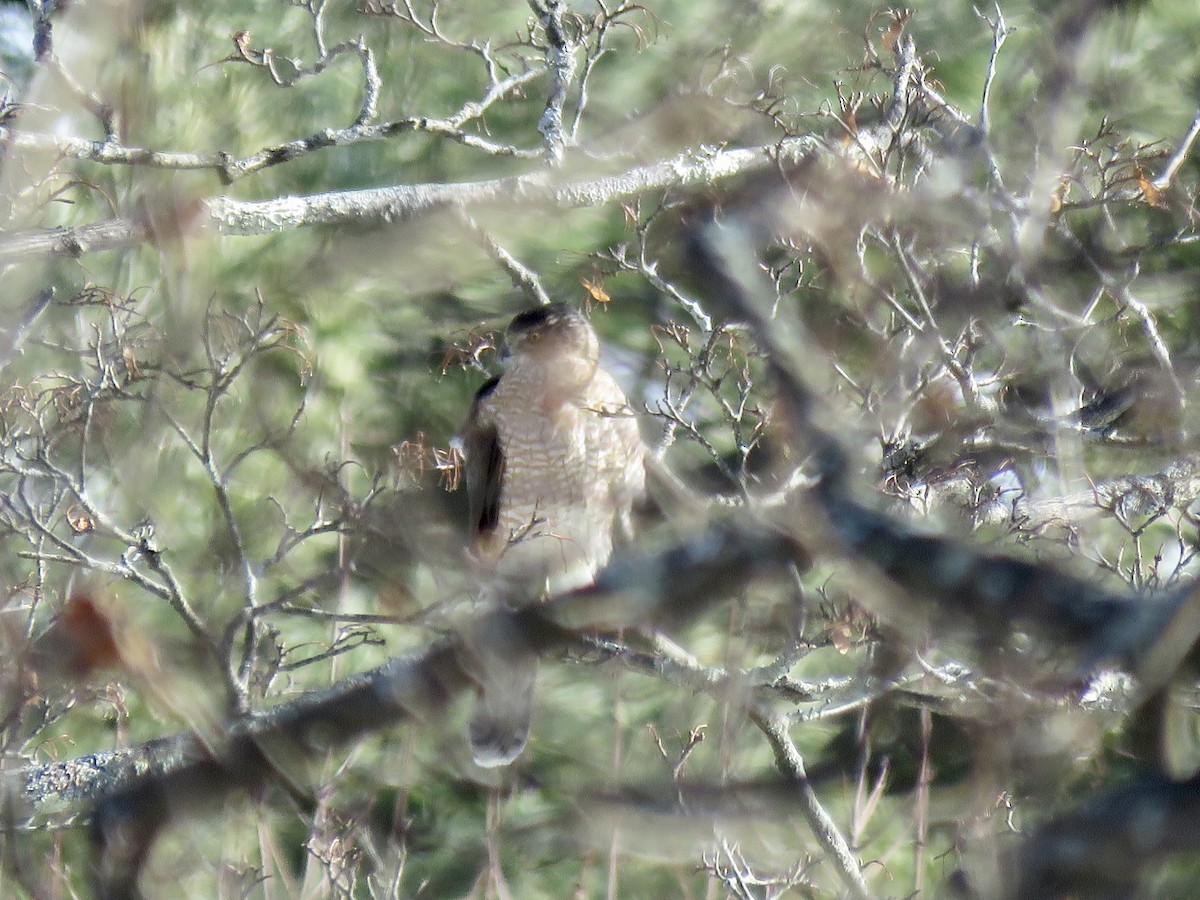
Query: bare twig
[
  {"x": 1163, "y": 181},
  {"x": 522, "y": 276},
  {"x": 791, "y": 764}
]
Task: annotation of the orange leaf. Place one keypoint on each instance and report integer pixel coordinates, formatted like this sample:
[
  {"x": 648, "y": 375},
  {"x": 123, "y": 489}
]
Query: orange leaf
[
  {"x": 841, "y": 635},
  {"x": 595, "y": 291},
  {"x": 1059, "y": 195},
  {"x": 131, "y": 364},
  {"x": 80, "y": 521},
  {"x": 1150, "y": 192},
  {"x": 892, "y": 35}
]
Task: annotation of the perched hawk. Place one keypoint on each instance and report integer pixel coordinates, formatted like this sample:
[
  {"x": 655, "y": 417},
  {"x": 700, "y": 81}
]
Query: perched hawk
[{"x": 554, "y": 463}]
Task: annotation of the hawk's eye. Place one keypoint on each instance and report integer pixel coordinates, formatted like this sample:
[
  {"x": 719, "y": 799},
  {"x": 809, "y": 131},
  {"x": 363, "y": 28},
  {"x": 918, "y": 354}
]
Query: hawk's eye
[{"x": 533, "y": 336}]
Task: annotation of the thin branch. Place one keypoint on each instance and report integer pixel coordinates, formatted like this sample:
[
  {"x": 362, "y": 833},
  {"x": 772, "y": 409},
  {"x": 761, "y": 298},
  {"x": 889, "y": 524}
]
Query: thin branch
[
  {"x": 1163, "y": 181},
  {"x": 522, "y": 276},
  {"x": 110, "y": 151},
  {"x": 791, "y": 764},
  {"x": 1000, "y": 33},
  {"x": 1119, "y": 290}
]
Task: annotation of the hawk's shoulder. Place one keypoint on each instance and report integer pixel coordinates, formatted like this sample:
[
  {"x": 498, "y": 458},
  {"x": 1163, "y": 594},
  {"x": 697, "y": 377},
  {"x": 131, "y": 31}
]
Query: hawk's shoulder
[{"x": 485, "y": 390}]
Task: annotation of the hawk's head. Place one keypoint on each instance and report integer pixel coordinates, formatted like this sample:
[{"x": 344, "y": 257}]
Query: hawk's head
[{"x": 552, "y": 334}]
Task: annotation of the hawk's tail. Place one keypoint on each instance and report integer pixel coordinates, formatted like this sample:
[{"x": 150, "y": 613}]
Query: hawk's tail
[
  {"x": 499, "y": 659},
  {"x": 503, "y": 714}
]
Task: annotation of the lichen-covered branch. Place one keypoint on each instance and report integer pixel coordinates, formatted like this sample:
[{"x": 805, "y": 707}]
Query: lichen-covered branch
[{"x": 379, "y": 206}]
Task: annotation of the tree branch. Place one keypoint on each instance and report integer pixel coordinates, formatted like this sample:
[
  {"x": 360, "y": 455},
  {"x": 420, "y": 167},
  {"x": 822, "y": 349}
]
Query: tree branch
[
  {"x": 379, "y": 206},
  {"x": 791, "y": 764}
]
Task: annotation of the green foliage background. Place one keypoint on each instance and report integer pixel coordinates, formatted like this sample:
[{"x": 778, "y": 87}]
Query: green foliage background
[{"x": 369, "y": 316}]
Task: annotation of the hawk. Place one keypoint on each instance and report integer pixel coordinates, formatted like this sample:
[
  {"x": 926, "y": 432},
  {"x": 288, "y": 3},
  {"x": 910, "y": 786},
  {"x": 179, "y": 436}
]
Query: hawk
[{"x": 553, "y": 467}]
